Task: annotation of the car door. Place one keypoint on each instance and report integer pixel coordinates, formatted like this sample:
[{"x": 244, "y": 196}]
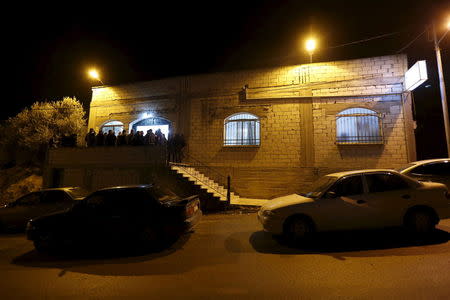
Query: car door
[
  {"x": 84, "y": 221},
  {"x": 53, "y": 201},
  {"x": 101, "y": 216},
  {"x": 388, "y": 196},
  {"x": 119, "y": 214},
  {"x": 344, "y": 206},
  {"x": 20, "y": 211}
]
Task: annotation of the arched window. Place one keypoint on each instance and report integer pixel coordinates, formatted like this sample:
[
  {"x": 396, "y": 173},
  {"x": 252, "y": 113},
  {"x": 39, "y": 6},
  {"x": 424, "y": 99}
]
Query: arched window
[
  {"x": 115, "y": 126},
  {"x": 241, "y": 129},
  {"x": 153, "y": 123},
  {"x": 358, "y": 126}
]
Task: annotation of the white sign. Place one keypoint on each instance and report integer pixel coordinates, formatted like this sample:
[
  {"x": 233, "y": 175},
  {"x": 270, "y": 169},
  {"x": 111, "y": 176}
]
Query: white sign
[{"x": 416, "y": 75}]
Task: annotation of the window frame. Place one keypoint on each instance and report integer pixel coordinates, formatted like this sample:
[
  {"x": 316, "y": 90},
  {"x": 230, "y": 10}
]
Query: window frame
[
  {"x": 257, "y": 127},
  {"x": 430, "y": 164},
  {"x": 341, "y": 179},
  {"x": 379, "y": 139},
  {"x": 19, "y": 203},
  {"x": 408, "y": 185},
  {"x": 113, "y": 126}
]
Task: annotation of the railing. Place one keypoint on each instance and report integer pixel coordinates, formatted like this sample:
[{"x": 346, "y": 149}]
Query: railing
[
  {"x": 242, "y": 142},
  {"x": 371, "y": 139},
  {"x": 209, "y": 172}
]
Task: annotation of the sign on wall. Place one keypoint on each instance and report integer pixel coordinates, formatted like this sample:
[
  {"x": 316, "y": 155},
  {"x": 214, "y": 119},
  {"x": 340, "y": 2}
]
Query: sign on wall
[{"x": 416, "y": 75}]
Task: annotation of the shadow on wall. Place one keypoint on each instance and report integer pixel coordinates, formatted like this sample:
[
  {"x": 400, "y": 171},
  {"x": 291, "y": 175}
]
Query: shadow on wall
[
  {"x": 369, "y": 156},
  {"x": 365, "y": 153},
  {"x": 236, "y": 155}
]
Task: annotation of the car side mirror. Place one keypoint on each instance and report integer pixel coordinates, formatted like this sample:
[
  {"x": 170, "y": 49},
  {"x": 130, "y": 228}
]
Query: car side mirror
[{"x": 330, "y": 195}]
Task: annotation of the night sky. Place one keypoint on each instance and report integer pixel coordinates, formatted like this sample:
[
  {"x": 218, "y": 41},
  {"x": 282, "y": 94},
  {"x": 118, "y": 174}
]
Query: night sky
[{"x": 49, "y": 49}]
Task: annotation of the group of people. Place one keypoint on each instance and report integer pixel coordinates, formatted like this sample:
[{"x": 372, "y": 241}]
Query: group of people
[
  {"x": 174, "y": 144},
  {"x": 123, "y": 138}
]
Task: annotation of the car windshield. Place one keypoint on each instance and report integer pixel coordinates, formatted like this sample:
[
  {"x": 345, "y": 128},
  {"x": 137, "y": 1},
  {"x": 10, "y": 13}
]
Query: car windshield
[
  {"x": 163, "y": 193},
  {"x": 77, "y": 192},
  {"x": 405, "y": 167},
  {"x": 320, "y": 186}
]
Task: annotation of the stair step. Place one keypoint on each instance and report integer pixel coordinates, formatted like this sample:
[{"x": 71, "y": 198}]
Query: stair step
[{"x": 203, "y": 182}]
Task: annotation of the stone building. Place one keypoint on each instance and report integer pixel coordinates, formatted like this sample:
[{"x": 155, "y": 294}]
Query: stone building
[{"x": 274, "y": 130}]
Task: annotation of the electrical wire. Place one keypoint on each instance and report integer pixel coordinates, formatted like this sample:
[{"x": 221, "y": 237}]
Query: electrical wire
[
  {"x": 411, "y": 42},
  {"x": 365, "y": 40}
]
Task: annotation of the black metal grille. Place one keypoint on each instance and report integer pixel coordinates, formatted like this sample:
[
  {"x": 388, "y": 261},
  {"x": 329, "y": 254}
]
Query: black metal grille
[
  {"x": 242, "y": 130},
  {"x": 358, "y": 126},
  {"x": 242, "y": 141}
]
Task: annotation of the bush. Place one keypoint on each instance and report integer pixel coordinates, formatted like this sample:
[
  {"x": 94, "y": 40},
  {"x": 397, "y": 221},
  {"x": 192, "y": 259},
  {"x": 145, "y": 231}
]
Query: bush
[{"x": 34, "y": 127}]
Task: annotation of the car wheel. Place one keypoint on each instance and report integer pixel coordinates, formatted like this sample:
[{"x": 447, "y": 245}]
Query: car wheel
[
  {"x": 420, "y": 221},
  {"x": 44, "y": 242},
  {"x": 298, "y": 229}
]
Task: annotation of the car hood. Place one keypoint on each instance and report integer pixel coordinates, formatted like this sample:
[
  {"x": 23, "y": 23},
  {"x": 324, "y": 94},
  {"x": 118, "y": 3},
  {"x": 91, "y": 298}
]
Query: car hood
[
  {"x": 286, "y": 201},
  {"x": 428, "y": 185}
]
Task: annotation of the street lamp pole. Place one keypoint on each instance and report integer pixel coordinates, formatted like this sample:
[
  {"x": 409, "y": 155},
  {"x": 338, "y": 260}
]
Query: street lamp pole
[{"x": 442, "y": 87}]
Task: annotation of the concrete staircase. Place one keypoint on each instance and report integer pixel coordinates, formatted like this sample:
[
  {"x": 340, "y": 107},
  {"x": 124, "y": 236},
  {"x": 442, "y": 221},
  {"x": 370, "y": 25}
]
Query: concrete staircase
[{"x": 213, "y": 188}]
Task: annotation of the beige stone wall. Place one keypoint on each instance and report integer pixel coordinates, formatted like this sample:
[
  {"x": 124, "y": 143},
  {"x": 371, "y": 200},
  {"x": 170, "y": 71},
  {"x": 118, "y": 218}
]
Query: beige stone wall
[
  {"x": 332, "y": 157},
  {"x": 297, "y": 107}
]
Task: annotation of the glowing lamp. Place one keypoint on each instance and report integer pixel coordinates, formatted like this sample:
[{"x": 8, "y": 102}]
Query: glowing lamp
[
  {"x": 310, "y": 45},
  {"x": 94, "y": 75}
]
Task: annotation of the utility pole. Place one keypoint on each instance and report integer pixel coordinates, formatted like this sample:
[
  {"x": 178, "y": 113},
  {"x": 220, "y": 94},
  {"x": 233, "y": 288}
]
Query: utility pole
[{"x": 442, "y": 87}]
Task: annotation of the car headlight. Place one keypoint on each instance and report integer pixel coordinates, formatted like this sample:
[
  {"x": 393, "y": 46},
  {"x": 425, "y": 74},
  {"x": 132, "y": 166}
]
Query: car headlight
[{"x": 267, "y": 213}]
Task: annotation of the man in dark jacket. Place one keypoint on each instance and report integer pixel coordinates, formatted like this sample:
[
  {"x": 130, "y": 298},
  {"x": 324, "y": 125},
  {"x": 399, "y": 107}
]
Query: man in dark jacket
[
  {"x": 100, "y": 139},
  {"x": 110, "y": 139},
  {"x": 131, "y": 138},
  {"x": 122, "y": 139},
  {"x": 150, "y": 137},
  {"x": 90, "y": 138}
]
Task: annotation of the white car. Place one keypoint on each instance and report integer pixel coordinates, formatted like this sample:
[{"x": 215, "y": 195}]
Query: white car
[
  {"x": 362, "y": 199},
  {"x": 436, "y": 170}
]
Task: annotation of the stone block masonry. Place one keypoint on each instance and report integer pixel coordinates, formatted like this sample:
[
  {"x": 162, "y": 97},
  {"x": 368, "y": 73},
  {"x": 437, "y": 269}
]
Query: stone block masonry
[{"x": 296, "y": 107}]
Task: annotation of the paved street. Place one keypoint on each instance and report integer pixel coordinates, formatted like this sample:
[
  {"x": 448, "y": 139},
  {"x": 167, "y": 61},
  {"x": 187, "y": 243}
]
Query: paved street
[{"x": 228, "y": 256}]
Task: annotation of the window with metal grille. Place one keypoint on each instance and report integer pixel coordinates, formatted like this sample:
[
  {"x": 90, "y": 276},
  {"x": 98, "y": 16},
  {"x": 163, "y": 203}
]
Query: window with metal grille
[
  {"x": 241, "y": 129},
  {"x": 115, "y": 126},
  {"x": 358, "y": 126}
]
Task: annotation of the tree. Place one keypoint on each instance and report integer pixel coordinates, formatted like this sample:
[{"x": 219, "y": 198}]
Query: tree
[{"x": 32, "y": 128}]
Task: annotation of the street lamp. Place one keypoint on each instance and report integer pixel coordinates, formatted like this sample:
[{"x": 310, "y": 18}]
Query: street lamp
[
  {"x": 310, "y": 46},
  {"x": 94, "y": 74},
  {"x": 442, "y": 83}
]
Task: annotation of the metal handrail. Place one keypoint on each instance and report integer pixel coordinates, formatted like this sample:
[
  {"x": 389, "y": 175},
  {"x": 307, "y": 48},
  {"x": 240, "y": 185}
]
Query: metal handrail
[
  {"x": 208, "y": 185},
  {"x": 197, "y": 163}
]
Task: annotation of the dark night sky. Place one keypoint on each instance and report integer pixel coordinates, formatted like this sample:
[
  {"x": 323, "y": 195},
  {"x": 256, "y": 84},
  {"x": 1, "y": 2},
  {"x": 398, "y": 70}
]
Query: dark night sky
[{"x": 48, "y": 49}]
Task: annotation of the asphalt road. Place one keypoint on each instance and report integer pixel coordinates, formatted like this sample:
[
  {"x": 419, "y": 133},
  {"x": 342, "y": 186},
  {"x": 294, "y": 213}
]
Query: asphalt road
[{"x": 228, "y": 256}]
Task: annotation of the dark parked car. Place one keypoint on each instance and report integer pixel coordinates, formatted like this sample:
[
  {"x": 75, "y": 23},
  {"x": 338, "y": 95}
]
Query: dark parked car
[
  {"x": 436, "y": 170},
  {"x": 119, "y": 216},
  {"x": 15, "y": 215}
]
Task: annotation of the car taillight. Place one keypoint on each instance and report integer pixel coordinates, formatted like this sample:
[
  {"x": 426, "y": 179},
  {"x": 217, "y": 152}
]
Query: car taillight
[{"x": 192, "y": 208}]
